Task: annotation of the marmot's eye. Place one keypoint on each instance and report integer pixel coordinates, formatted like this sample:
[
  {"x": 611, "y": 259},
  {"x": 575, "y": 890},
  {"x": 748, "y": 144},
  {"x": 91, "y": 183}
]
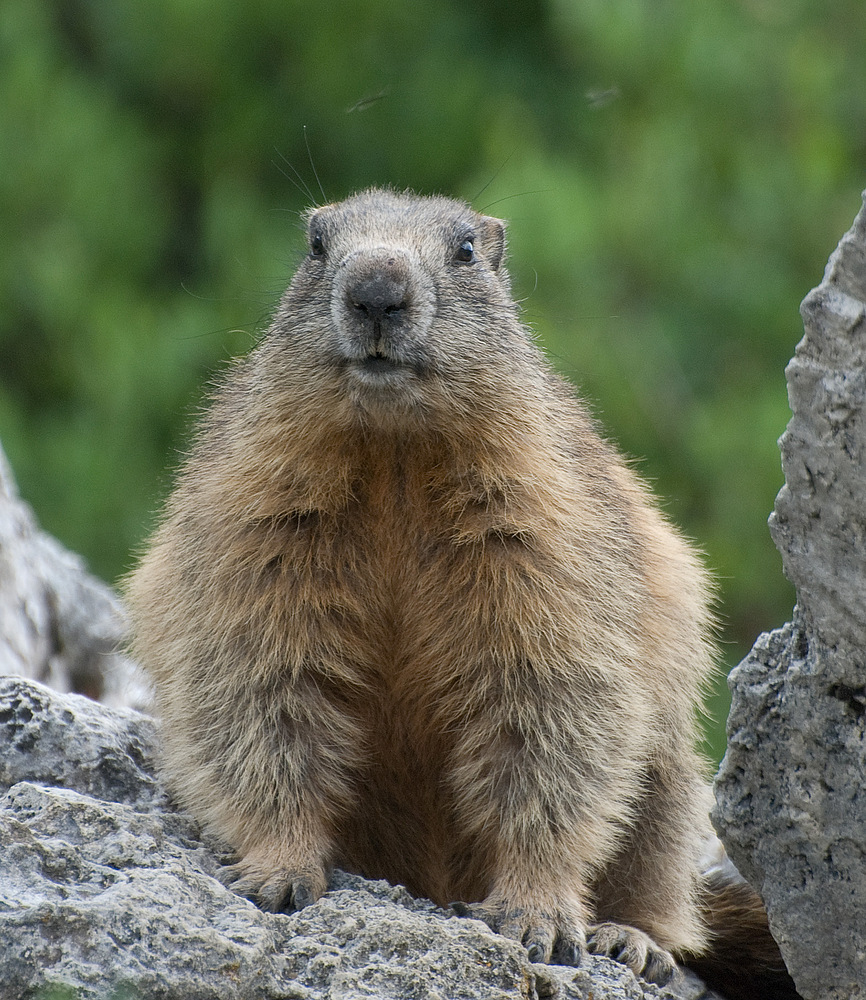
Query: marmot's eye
[
  {"x": 317, "y": 244},
  {"x": 465, "y": 252}
]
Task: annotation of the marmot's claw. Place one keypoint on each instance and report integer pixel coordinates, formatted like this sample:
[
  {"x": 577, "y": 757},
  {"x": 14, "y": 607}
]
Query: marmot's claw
[
  {"x": 229, "y": 875},
  {"x": 282, "y": 892},
  {"x": 567, "y": 952},
  {"x": 633, "y": 948},
  {"x": 547, "y": 940}
]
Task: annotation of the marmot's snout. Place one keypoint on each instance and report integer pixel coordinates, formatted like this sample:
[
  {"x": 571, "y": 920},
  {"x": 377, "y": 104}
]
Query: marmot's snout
[
  {"x": 379, "y": 291},
  {"x": 382, "y": 307}
]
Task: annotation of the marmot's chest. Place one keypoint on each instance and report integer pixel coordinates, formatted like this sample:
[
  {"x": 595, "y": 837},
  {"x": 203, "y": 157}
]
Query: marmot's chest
[
  {"x": 419, "y": 588},
  {"x": 399, "y": 547}
]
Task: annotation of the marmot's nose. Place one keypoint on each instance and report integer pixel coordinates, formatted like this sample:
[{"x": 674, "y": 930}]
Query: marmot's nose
[{"x": 379, "y": 294}]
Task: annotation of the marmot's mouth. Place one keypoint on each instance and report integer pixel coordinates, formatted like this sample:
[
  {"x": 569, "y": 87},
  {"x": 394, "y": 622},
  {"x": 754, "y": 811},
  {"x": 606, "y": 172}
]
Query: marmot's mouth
[
  {"x": 379, "y": 371},
  {"x": 379, "y": 364}
]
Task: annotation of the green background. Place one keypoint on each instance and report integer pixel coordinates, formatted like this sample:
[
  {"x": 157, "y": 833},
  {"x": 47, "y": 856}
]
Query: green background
[{"x": 675, "y": 175}]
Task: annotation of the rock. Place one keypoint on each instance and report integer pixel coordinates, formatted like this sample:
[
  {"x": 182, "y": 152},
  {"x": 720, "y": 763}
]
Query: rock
[
  {"x": 58, "y": 624},
  {"x": 107, "y": 891},
  {"x": 791, "y": 804}
]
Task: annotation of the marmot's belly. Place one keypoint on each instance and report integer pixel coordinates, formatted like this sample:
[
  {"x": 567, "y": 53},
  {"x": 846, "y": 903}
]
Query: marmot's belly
[{"x": 403, "y": 829}]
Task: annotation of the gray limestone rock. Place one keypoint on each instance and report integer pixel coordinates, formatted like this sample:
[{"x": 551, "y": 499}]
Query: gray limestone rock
[
  {"x": 107, "y": 892},
  {"x": 791, "y": 805},
  {"x": 58, "y": 624}
]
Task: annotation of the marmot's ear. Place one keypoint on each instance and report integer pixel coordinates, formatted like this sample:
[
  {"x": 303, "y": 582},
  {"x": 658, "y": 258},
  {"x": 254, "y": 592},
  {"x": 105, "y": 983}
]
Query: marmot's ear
[{"x": 493, "y": 239}]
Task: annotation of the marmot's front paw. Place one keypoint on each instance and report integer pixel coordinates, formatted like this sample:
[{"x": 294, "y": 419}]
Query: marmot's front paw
[
  {"x": 633, "y": 948},
  {"x": 554, "y": 940},
  {"x": 277, "y": 888}
]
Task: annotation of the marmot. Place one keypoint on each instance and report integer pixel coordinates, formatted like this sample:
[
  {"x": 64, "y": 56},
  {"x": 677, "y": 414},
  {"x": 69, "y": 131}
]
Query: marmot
[{"x": 409, "y": 614}]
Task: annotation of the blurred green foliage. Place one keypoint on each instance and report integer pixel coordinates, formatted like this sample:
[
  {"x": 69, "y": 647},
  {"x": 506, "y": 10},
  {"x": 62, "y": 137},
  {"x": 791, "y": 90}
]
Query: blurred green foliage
[{"x": 675, "y": 175}]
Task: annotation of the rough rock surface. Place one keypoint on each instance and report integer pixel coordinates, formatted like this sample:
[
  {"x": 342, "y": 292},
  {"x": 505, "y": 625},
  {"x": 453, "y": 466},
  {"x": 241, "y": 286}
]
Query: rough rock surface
[
  {"x": 58, "y": 624},
  {"x": 791, "y": 801},
  {"x": 106, "y": 890}
]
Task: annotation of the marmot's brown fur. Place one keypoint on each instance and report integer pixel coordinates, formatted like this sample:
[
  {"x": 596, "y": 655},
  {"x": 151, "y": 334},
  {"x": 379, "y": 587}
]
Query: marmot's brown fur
[{"x": 409, "y": 614}]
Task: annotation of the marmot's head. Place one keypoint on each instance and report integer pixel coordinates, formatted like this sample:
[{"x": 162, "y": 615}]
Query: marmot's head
[{"x": 403, "y": 305}]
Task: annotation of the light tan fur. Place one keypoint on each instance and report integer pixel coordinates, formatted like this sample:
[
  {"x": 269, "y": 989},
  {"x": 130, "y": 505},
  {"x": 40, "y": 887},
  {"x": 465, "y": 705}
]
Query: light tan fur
[{"x": 409, "y": 614}]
